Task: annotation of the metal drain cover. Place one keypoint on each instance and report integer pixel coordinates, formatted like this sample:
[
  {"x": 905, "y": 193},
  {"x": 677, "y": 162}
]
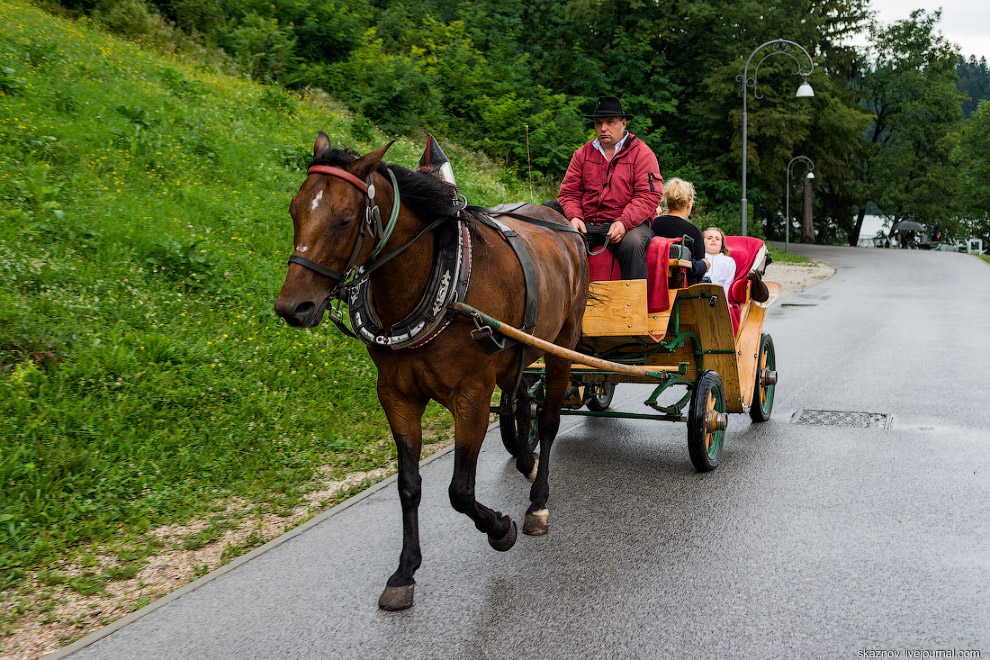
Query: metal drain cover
[{"x": 858, "y": 420}]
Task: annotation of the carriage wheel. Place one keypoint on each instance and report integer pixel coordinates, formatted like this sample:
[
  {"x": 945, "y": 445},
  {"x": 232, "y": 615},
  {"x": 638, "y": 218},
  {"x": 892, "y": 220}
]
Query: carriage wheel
[
  {"x": 599, "y": 396},
  {"x": 523, "y": 422},
  {"x": 766, "y": 381},
  {"x": 707, "y": 420}
]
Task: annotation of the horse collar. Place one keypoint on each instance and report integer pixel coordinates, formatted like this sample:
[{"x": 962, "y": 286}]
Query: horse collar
[{"x": 448, "y": 283}]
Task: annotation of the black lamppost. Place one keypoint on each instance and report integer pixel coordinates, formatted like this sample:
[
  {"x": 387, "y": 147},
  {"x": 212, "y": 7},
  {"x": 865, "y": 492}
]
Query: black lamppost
[
  {"x": 787, "y": 186},
  {"x": 779, "y": 47}
]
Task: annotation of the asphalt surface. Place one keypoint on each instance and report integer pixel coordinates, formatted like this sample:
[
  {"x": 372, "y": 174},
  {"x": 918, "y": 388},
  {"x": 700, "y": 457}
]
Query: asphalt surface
[{"x": 806, "y": 542}]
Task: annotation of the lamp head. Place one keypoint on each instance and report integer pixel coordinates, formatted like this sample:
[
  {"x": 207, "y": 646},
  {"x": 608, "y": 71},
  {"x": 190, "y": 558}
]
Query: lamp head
[
  {"x": 811, "y": 175},
  {"x": 805, "y": 90}
]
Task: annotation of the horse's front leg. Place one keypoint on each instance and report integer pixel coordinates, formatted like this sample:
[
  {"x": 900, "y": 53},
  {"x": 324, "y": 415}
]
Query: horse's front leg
[
  {"x": 557, "y": 378},
  {"x": 470, "y": 410},
  {"x": 405, "y": 419}
]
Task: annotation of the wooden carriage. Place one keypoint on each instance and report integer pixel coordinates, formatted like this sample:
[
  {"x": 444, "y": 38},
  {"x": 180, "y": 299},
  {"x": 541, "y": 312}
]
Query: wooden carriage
[{"x": 663, "y": 332}]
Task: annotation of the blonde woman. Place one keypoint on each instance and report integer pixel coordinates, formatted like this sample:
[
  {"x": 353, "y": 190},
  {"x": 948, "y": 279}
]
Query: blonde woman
[{"x": 678, "y": 200}]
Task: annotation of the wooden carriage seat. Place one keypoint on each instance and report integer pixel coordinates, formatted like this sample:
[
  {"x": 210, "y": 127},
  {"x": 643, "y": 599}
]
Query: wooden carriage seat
[
  {"x": 602, "y": 267},
  {"x": 747, "y": 252}
]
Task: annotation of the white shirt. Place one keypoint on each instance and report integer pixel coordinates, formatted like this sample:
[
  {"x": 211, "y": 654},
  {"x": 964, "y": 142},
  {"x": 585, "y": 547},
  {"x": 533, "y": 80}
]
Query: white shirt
[
  {"x": 618, "y": 146},
  {"x": 722, "y": 271}
]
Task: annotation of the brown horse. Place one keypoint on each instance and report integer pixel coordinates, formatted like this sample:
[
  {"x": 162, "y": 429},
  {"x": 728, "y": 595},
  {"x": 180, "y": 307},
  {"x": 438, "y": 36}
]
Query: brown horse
[{"x": 330, "y": 214}]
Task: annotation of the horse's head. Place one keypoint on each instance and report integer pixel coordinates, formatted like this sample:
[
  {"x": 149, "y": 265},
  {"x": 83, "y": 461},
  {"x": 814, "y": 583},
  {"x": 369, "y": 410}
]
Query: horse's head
[{"x": 328, "y": 218}]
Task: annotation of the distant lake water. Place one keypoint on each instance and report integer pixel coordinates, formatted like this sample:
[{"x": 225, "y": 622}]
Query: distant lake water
[{"x": 871, "y": 225}]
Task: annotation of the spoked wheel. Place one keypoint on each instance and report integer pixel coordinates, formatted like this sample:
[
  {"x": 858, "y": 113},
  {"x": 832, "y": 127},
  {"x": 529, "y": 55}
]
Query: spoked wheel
[
  {"x": 766, "y": 381},
  {"x": 598, "y": 397},
  {"x": 707, "y": 421},
  {"x": 523, "y": 422}
]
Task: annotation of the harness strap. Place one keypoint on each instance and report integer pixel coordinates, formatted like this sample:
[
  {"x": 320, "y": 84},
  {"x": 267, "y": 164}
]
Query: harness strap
[
  {"x": 340, "y": 174},
  {"x": 529, "y": 271},
  {"x": 556, "y": 226},
  {"x": 369, "y": 269},
  {"x": 319, "y": 268},
  {"x": 529, "y": 277},
  {"x": 386, "y": 233}
]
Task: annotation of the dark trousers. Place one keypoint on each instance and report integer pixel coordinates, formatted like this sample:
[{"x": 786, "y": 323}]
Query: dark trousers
[{"x": 631, "y": 250}]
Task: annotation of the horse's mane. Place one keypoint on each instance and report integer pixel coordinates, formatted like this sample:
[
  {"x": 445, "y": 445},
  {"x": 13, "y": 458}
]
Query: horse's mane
[{"x": 423, "y": 193}]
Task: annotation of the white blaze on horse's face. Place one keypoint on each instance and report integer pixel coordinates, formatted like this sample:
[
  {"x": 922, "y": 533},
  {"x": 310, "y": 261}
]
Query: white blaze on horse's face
[
  {"x": 316, "y": 201},
  {"x": 301, "y": 248}
]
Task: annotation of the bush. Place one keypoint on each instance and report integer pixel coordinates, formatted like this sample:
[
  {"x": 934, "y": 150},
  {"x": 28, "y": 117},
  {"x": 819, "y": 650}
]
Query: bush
[
  {"x": 262, "y": 48},
  {"x": 134, "y": 20}
]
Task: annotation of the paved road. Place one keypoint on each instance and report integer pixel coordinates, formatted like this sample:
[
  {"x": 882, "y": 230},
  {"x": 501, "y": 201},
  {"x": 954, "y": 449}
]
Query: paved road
[{"x": 807, "y": 542}]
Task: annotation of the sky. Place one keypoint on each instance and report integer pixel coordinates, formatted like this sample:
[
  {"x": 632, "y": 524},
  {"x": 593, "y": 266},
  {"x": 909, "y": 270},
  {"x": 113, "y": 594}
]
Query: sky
[{"x": 964, "y": 22}]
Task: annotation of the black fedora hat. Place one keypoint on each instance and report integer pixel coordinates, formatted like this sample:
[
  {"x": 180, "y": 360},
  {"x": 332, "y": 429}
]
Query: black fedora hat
[{"x": 608, "y": 106}]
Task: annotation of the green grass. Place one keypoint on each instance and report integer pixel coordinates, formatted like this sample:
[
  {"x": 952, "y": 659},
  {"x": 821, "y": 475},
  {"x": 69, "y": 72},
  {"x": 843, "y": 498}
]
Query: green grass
[
  {"x": 144, "y": 377},
  {"x": 781, "y": 257}
]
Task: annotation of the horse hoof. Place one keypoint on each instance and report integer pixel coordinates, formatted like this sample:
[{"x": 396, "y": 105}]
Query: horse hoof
[
  {"x": 537, "y": 523},
  {"x": 506, "y": 541},
  {"x": 532, "y": 475},
  {"x": 397, "y": 598}
]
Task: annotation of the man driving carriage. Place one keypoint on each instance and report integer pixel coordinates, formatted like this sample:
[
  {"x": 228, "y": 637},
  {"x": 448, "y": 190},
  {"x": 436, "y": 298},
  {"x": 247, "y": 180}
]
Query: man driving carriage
[{"x": 611, "y": 188}]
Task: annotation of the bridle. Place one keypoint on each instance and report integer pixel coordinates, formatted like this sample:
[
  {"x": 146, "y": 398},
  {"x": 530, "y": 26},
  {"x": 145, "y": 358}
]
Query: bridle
[
  {"x": 349, "y": 281},
  {"x": 372, "y": 226}
]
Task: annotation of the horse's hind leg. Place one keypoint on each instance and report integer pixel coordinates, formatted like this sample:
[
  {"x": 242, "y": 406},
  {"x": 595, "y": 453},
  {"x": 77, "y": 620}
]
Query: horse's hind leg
[
  {"x": 405, "y": 420},
  {"x": 470, "y": 425},
  {"x": 557, "y": 378},
  {"x": 525, "y": 459}
]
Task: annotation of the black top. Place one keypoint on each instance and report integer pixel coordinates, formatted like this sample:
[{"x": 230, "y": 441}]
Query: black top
[{"x": 671, "y": 226}]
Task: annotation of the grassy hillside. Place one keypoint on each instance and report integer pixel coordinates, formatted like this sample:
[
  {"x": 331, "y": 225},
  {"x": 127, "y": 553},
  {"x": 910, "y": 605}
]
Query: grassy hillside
[{"x": 144, "y": 377}]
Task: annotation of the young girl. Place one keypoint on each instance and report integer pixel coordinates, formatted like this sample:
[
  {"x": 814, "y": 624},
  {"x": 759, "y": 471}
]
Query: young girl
[{"x": 721, "y": 267}]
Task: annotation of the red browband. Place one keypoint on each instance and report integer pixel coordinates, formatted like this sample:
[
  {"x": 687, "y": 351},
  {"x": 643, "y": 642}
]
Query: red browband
[{"x": 341, "y": 174}]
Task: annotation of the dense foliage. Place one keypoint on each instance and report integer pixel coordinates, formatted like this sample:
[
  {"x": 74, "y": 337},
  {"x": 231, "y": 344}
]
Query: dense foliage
[
  {"x": 974, "y": 81},
  {"x": 514, "y": 78}
]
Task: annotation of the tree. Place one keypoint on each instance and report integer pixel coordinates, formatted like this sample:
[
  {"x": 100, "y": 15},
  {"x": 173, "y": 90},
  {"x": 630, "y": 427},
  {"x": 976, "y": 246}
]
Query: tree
[
  {"x": 717, "y": 37},
  {"x": 974, "y": 81},
  {"x": 911, "y": 89},
  {"x": 972, "y": 156}
]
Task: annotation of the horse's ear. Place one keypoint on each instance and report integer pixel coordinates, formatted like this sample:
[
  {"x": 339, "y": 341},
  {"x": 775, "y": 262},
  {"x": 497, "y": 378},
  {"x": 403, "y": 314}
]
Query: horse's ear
[
  {"x": 367, "y": 163},
  {"x": 322, "y": 145}
]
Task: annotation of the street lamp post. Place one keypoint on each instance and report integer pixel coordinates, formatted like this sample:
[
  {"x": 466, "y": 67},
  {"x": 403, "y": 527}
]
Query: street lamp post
[
  {"x": 787, "y": 187},
  {"x": 779, "y": 47}
]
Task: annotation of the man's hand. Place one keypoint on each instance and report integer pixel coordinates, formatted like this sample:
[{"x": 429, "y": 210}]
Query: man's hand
[
  {"x": 578, "y": 224},
  {"x": 616, "y": 231}
]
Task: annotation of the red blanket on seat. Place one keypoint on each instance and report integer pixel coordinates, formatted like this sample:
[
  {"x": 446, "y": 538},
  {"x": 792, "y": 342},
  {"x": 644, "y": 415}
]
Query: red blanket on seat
[
  {"x": 743, "y": 250},
  {"x": 603, "y": 267}
]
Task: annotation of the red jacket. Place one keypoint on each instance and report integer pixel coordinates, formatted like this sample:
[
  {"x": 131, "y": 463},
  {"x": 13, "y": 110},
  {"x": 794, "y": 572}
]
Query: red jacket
[{"x": 627, "y": 189}]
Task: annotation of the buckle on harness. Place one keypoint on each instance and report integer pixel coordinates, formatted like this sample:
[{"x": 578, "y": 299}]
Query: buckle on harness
[
  {"x": 335, "y": 312},
  {"x": 487, "y": 340}
]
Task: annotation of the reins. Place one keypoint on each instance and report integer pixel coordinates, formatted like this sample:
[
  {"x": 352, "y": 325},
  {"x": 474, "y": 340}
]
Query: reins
[{"x": 556, "y": 226}]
